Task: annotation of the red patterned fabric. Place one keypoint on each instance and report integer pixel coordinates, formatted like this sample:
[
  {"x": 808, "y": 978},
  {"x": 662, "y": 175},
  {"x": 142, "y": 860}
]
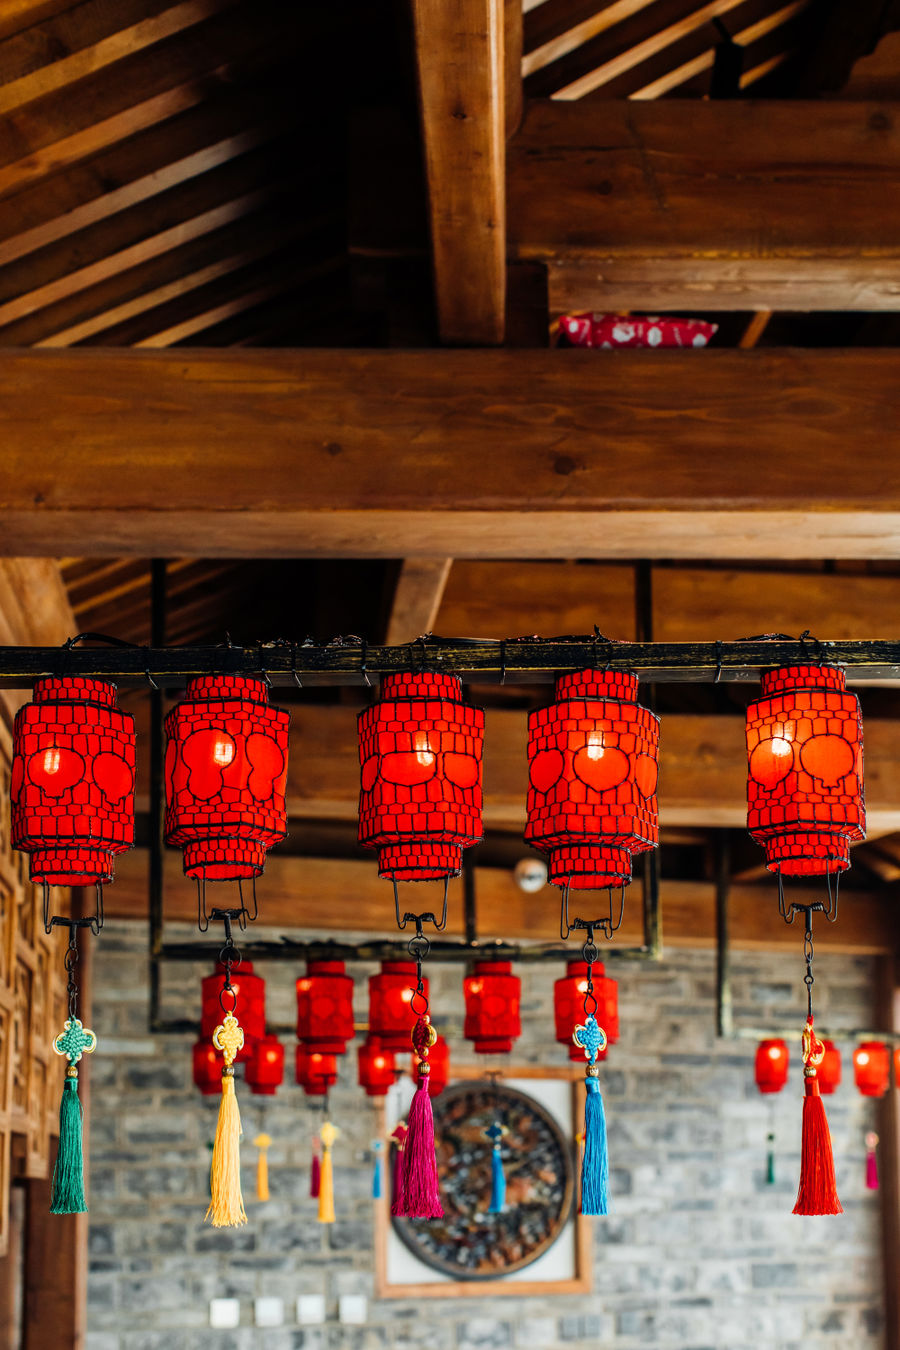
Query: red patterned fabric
[
  {"x": 872, "y": 1068},
  {"x": 249, "y": 1003},
  {"x": 634, "y": 330},
  {"x": 325, "y": 1007},
  {"x": 226, "y": 769},
  {"x": 771, "y": 1066},
  {"x": 375, "y": 1067},
  {"x": 315, "y": 1073},
  {"x": 265, "y": 1067},
  {"x": 72, "y": 784},
  {"x": 390, "y": 1003},
  {"x": 568, "y": 1006},
  {"x": 420, "y": 751},
  {"x": 492, "y": 996},
  {"x": 592, "y": 769},
  {"x": 805, "y": 786}
]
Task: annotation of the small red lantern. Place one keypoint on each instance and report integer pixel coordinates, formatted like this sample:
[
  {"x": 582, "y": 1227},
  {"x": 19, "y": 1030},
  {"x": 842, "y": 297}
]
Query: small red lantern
[
  {"x": 315, "y": 1072},
  {"x": 265, "y": 1067},
  {"x": 492, "y": 996},
  {"x": 226, "y": 768},
  {"x": 420, "y": 751},
  {"x": 249, "y": 1004},
  {"x": 592, "y": 769},
  {"x": 771, "y": 1068},
  {"x": 897, "y": 1067},
  {"x": 439, "y": 1059},
  {"x": 376, "y": 1067},
  {"x": 325, "y": 1007},
  {"x": 207, "y": 1068},
  {"x": 805, "y": 787},
  {"x": 72, "y": 782},
  {"x": 872, "y": 1068},
  {"x": 391, "y": 1017},
  {"x": 829, "y": 1071},
  {"x": 568, "y": 1006}
]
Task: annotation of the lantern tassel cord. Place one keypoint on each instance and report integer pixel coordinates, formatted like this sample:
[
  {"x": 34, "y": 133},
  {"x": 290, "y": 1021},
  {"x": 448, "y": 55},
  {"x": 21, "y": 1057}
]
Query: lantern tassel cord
[
  {"x": 377, "y": 1171},
  {"x": 399, "y": 1137},
  {"x": 498, "y": 1177},
  {"x": 595, "y": 1163},
  {"x": 226, "y": 1205},
  {"x": 871, "y": 1162},
  {"x": 817, "y": 1193},
  {"x": 262, "y": 1142},
  {"x": 419, "y": 1191}
]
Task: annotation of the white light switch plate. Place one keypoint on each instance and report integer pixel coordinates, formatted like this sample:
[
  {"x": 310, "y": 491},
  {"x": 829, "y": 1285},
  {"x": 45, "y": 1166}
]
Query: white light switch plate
[
  {"x": 352, "y": 1308},
  {"x": 310, "y": 1309},
  {"x": 224, "y": 1312},
  {"x": 269, "y": 1312}
]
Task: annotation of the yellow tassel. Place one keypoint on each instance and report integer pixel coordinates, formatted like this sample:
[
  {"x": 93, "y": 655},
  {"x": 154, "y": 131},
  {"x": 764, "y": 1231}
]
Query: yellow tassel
[
  {"x": 262, "y": 1142},
  {"x": 326, "y": 1181},
  {"x": 226, "y": 1208}
]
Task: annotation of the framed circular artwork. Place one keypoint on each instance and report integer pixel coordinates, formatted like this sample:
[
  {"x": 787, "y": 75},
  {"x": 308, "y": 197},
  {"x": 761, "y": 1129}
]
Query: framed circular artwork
[{"x": 470, "y": 1243}]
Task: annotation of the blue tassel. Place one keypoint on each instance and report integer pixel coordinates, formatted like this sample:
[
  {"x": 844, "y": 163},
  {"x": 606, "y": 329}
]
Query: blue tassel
[
  {"x": 377, "y": 1179},
  {"x": 595, "y": 1165},
  {"x": 498, "y": 1183}
]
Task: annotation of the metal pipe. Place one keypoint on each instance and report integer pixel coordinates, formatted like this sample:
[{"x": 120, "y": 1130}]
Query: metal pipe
[
  {"x": 157, "y": 754},
  {"x": 724, "y": 1007}
]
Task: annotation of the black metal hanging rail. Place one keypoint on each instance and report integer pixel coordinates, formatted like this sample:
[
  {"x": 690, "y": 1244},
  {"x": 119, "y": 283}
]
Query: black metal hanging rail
[{"x": 529, "y": 660}]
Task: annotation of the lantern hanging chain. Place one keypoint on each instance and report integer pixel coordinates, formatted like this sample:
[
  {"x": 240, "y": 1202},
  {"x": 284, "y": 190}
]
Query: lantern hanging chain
[
  {"x": 71, "y": 963},
  {"x": 590, "y": 953},
  {"x": 418, "y": 948},
  {"x": 808, "y": 952},
  {"x": 229, "y": 956},
  {"x": 608, "y": 925}
]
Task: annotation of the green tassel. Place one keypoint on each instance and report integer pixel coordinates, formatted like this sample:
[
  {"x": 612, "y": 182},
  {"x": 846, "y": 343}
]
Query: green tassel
[{"x": 68, "y": 1175}]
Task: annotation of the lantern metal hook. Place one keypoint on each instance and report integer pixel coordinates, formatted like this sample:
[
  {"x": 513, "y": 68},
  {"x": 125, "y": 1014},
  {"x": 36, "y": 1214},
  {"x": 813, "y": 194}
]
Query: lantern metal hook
[
  {"x": 50, "y": 921},
  {"x": 503, "y": 660},
  {"x": 719, "y": 658},
  {"x": 419, "y": 919},
  {"x": 363, "y": 652},
  {"x": 827, "y": 908},
  {"x": 262, "y": 669},
  {"x": 202, "y": 916},
  {"x": 608, "y": 925}
]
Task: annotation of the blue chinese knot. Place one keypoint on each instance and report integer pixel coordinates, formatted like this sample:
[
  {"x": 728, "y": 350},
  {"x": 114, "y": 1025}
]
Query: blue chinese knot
[{"x": 591, "y": 1038}]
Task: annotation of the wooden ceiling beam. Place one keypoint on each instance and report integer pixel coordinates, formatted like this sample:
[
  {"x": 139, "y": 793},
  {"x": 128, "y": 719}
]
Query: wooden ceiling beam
[
  {"x": 417, "y": 598},
  {"x": 500, "y": 454},
  {"x": 462, "y": 95},
  {"x": 731, "y": 205}
]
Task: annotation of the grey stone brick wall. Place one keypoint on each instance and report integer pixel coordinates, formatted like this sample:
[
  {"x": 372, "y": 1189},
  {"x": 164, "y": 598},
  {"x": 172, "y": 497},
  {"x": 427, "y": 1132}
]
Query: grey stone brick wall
[{"x": 699, "y": 1253}]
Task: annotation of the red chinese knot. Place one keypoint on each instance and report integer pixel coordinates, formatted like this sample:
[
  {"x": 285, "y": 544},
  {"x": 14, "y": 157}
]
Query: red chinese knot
[
  {"x": 265, "y": 1067},
  {"x": 828, "y": 1073},
  {"x": 375, "y": 1067},
  {"x": 391, "y": 1016},
  {"x": 72, "y": 784},
  {"x": 805, "y": 786},
  {"x": 568, "y": 1006},
  {"x": 420, "y": 751},
  {"x": 492, "y": 996},
  {"x": 872, "y": 1068},
  {"x": 315, "y": 1072},
  {"x": 325, "y": 1007},
  {"x": 592, "y": 770},
  {"x": 226, "y": 768},
  {"x": 771, "y": 1067}
]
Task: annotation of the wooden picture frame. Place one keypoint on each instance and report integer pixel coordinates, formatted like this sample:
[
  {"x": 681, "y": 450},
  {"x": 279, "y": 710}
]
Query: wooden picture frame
[{"x": 580, "y": 1283}]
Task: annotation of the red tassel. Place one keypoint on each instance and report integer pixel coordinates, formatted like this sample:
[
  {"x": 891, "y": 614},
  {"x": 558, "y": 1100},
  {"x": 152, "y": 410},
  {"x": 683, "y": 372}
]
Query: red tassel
[
  {"x": 419, "y": 1196},
  {"x": 315, "y": 1171},
  {"x": 818, "y": 1191}
]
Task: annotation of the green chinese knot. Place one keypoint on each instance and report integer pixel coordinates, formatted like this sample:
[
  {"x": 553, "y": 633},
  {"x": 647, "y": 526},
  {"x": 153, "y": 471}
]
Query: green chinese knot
[{"x": 75, "y": 1040}]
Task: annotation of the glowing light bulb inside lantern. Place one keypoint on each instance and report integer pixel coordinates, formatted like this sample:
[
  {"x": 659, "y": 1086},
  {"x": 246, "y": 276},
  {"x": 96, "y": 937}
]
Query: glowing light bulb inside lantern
[
  {"x": 774, "y": 1052},
  {"x": 223, "y": 753},
  {"x": 407, "y": 995},
  {"x": 862, "y": 1057},
  {"x": 51, "y": 761},
  {"x": 595, "y": 745},
  {"x": 424, "y": 752}
]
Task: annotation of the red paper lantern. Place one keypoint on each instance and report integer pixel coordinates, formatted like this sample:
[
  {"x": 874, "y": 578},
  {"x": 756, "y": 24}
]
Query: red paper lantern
[
  {"x": 568, "y": 1006},
  {"x": 325, "y": 1007},
  {"x": 805, "y": 786},
  {"x": 439, "y": 1059},
  {"x": 872, "y": 1068},
  {"x": 492, "y": 996},
  {"x": 315, "y": 1072},
  {"x": 897, "y": 1067},
  {"x": 207, "y": 1068},
  {"x": 265, "y": 1067},
  {"x": 226, "y": 768},
  {"x": 420, "y": 751},
  {"x": 828, "y": 1072},
  {"x": 72, "y": 783},
  {"x": 771, "y": 1068},
  {"x": 376, "y": 1067},
  {"x": 391, "y": 1017},
  {"x": 592, "y": 769},
  {"x": 249, "y": 1003}
]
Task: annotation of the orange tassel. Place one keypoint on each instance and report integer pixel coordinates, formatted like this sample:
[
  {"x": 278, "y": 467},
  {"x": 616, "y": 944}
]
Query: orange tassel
[{"x": 818, "y": 1190}]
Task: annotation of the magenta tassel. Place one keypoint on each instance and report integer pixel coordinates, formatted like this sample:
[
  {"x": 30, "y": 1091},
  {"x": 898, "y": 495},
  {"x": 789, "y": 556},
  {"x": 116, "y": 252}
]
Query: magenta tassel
[
  {"x": 419, "y": 1197},
  {"x": 871, "y": 1162},
  {"x": 315, "y": 1172}
]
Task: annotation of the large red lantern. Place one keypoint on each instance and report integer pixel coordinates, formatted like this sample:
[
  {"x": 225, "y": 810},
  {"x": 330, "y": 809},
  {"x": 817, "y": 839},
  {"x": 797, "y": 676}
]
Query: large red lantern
[
  {"x": 568, "y": 1006},
  {"x": 771, "y": 1067},
  {"x": 249, "y": 1001},
  {"x": 805, "y": 785},
  {"x": 325, "y": 1007},
  {"x": 492, "y": 997},
  {"x": 439, "y": 1059},
  {"x": 265, "y": 1067},
  {"x": 207, "y": 1068},
  {"x": 872, "y": 1068},
  {"x": 829, "y": 1071},
  {"x": 420, "y": 751},
  {"x": 72, "y": 783},
  {"x": 592, "y": 770},
  {"x": 226, "y": 769},
  {"x": 315, "y": 1072},
  {"x": 376, "y": 1067},
  {"x": 391, "y": 1015}
]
